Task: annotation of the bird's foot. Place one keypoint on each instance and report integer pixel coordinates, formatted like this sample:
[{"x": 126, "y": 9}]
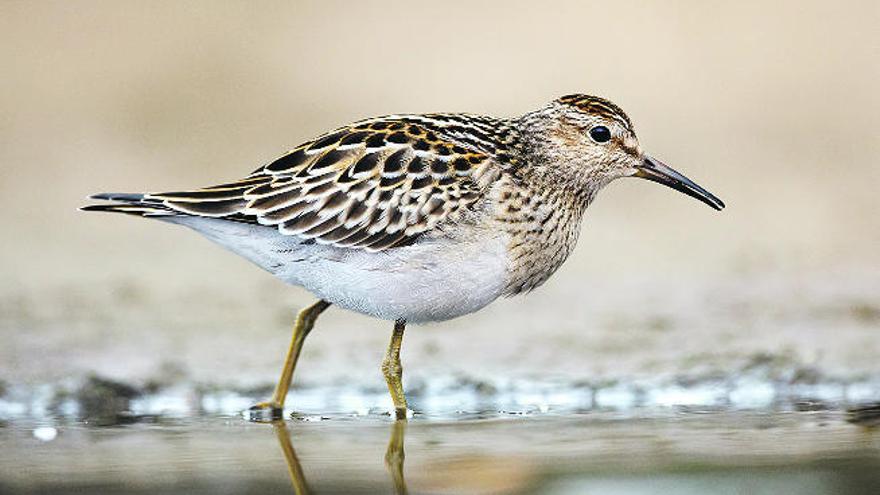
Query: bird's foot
[
  {"x": 402, "y": 413},
  {"x": 264, "y": 412}
]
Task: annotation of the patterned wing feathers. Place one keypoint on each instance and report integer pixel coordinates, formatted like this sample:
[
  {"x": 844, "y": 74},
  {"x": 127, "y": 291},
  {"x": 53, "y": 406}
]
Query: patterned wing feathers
[{"x": 374, "y": 185}]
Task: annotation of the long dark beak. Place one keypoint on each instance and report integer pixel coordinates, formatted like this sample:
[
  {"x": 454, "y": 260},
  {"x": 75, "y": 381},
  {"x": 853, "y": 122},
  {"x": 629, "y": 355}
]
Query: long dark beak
[{"x": 657, "y": 171}]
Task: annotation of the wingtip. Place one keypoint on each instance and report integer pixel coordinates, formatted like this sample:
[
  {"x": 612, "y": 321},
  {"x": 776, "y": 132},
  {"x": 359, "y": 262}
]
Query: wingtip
[
  {"x": 97, "y": 207},
  {"x": 108, "y": 196},
  {"x": 140, "y": 210}
]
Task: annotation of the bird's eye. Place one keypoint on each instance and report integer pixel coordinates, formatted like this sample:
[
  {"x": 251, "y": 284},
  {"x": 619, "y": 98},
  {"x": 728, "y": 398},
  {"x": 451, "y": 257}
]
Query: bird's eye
[{"x": 600, "y": 134}]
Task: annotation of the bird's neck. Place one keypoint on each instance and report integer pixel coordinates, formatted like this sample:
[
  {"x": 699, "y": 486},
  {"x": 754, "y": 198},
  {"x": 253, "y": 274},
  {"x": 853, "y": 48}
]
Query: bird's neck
[
  {"x": 539, "y": 203},
  {"x": 543, "y": 224}
]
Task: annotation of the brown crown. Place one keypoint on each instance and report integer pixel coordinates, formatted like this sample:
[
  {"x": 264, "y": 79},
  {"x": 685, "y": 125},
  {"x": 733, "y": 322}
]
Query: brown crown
[{"x": 599, "y": 106}]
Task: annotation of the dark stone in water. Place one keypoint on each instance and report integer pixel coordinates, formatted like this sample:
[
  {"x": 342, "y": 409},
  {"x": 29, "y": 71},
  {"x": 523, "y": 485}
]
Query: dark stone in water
[
  {"x": 811, "y": 405},
  {"x": 106, "y": 402},
  {"x": 868, "y": 415}
]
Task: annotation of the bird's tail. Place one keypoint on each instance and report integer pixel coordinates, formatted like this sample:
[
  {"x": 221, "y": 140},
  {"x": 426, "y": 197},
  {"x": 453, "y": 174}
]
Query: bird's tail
[{"x": 130, "y": 204}]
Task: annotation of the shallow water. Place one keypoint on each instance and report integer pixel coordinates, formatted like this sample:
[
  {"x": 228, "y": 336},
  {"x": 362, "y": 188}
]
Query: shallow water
[
  {"x": 760, "y": 430},
  {"x": 639, "y": 451}
]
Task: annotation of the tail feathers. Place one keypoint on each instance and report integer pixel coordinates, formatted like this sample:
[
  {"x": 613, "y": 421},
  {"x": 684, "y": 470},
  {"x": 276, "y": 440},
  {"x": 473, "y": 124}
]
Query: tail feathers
[{"x": 130, "y": 204}]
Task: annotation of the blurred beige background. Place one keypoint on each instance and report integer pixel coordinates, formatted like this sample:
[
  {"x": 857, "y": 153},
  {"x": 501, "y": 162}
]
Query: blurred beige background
[{"x": 772, "y": 106}]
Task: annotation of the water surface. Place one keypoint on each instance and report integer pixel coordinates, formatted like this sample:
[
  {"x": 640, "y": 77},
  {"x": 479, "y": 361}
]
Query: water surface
[{"x": 647, "y": 451}]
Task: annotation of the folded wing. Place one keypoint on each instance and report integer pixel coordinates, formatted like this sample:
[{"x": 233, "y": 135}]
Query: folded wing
[{"x": 373, "y": 185}]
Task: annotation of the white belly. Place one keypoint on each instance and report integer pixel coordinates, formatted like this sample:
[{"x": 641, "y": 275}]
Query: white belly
[{"x": 431, "y": 280}]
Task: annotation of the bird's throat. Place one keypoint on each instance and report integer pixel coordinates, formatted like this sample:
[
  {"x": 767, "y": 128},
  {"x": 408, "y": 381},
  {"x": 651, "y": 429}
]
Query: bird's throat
[{"x": 543, "y": 226}]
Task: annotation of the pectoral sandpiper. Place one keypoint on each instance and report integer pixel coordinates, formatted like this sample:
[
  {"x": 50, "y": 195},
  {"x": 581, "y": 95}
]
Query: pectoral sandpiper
[{"x": 417, "y": 218}]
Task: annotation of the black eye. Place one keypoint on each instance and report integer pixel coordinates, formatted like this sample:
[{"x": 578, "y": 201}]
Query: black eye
[{"x": 600, "y": 134}]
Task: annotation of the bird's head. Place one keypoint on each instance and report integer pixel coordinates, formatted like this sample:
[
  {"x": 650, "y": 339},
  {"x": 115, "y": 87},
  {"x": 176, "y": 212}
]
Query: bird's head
[{"x": 587, "y": 142}]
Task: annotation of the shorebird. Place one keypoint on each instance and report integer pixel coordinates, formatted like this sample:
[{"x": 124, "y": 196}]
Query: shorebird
[{"x": 416, "y": 218}]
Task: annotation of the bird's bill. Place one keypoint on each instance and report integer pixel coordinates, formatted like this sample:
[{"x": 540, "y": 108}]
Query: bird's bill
[{"x": 655, "y": 170}]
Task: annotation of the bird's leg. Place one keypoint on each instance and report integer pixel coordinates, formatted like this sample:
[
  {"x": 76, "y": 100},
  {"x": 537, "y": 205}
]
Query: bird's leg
[
  {"x": 305, "y": 320},
  {"x": 393, "y": 371}
]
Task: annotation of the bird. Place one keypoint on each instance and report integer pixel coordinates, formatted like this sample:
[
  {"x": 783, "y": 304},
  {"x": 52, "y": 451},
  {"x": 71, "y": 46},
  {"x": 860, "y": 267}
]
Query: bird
[{"x": 417, "y": 218}]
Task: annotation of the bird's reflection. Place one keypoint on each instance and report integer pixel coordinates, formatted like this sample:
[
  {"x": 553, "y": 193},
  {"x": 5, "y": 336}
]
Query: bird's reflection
[
  {"x": 394, "y": 456},
  {"x": 294, "y": 469}
]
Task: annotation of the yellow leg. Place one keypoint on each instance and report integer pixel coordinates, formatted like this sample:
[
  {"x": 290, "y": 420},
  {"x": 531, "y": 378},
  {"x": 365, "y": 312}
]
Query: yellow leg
[
  {"x": 393, "y": 371},
  {"x": 394, "y": 457},
  {"x": 305, "y": 320}
]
